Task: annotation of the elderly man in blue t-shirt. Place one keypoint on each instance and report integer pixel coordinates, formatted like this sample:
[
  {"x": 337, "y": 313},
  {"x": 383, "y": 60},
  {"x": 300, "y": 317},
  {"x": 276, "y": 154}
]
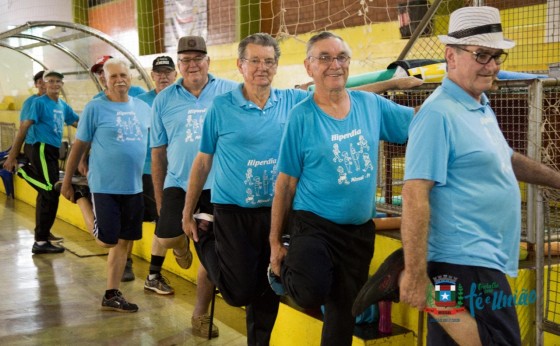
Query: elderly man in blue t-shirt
[
  {"x": 116, "y": 127},
  {"x": 46, "y": 118},
  {"x": 325, "y": 192},
  {"x": 178, "y": 113},
  {"x": 240, "y": 141},
  {"x": 461, "y": 199}
]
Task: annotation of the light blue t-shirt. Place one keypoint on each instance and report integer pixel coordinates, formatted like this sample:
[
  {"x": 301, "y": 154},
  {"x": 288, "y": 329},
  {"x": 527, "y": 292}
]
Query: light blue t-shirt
[
  {"x": 118, "y": 132},
  {"x": 133, "y": 91},
  {"x": 49, "y": 118},
  {"x": 244, "y": 141},
  {"x": 177, "y": 123},
  {"x": 149, "y": 99},
  {"x": 25, "y": 115},
  {"x": 335, "y": 160},
  {"x": 475, "y": 204}
]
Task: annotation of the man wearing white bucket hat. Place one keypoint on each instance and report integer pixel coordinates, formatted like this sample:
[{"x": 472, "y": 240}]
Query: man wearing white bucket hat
[{"x": 461, "y": 199}]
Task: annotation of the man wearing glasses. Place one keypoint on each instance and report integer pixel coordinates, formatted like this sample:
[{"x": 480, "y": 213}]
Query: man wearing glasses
[
  {"x": 178, "y": 114},
  {"x": 325, "y": 191},
  {"x": 46, "y": 119},
  {"x": 462, "y": 206},
  {"x": 163, "y": 74},
  {"x": 240, "y": 141}
]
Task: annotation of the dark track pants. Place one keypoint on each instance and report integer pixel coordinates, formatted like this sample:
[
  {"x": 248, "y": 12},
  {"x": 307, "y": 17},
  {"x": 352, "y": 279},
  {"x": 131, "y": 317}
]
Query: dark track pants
[
  {"x": 236, "y": 255},
  {"x": 328, "y": 263},
  {"x": 42, "y": 173}
]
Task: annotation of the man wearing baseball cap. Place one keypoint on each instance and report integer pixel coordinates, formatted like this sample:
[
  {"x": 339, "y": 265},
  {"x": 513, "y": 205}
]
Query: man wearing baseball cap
[
  {"x": 25, "y": 114},
  {"x": 178, "y": 114},
  {"x": 462, "y": 206},
  {"x": 97, "y": 70},
  {"x": 163, "y": 74},
  {"x": 26, "y": 107},
  {"x": 46, "y": 118}
]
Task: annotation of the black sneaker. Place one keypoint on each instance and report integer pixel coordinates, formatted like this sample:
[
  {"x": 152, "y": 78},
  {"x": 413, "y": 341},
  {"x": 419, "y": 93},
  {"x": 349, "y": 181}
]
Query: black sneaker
[
  {"x": 55, "y": 239},
  {"x": 275, "y": 282},
  {"x": 128, "y": 274},
  {"x": 286, "y": 238},
  {"x": 58, "y": 186},
  {"x": 46, "y": 248},
  {"x": 159, "y": 284},
  {"x": 79, "y": 190},
  {"x": 273, "y": 279},
  {"x": 383, "y": 285},
  {"x": 118, "y": 303}
]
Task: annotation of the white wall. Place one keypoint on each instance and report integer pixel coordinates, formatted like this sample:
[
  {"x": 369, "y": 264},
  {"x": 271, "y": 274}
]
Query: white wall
[{"x": 18, "y": 12}]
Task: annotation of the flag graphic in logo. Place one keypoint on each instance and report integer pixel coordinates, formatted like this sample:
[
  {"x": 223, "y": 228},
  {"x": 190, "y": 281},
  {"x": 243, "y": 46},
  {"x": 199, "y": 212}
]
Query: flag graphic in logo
[{"x": 445, "y": 295}]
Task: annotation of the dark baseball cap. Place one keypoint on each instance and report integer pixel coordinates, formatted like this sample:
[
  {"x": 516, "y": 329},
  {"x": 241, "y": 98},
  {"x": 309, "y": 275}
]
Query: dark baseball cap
[
  {"x": 52, "y": 73},
  {"x": 38, "y": 75},
  {"x": 191, "y": 44},
  {"x": 99, "y": 63},
  {"x": 163, "y": 62}
]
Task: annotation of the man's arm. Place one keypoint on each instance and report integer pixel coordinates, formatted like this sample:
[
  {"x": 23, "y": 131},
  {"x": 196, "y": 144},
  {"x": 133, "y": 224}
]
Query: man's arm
[
  {"x": 533, "y": 172},
  {"x": 390, "y": 84},
  {"x": 199, "y": 173},
  {"x": 11, "y": 162},
  {"x": 159, "y": 170},
  {"x": 83, "y": 165},
  {"x": 415, "y": 285},
  {"x": 76, "y": 152},
  {"x": 414, "y": 233},
  {"x": 281, "y": 207}
]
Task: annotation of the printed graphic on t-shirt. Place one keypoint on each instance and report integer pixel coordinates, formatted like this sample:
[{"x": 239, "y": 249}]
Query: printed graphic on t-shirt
[
  {"x": 58, "y": 121},
  {"x": 128, "y": 127},
  {"x": 351, "y": 156},
  {"x": 195, "y": 119},
  {"x": 260, "y": 187}
]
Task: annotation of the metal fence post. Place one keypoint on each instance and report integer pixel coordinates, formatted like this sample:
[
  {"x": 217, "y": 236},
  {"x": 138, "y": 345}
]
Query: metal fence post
[{"x": 535, "y": 222}]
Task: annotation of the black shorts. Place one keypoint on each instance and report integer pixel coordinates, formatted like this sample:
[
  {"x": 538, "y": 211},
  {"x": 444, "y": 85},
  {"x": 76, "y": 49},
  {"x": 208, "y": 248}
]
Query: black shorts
[
  {"x": 497, "y": 325},
  {"x": 150, "y": 210},
  {"x": 117, "y": 217},
  {"x": 170, "y": 223}
]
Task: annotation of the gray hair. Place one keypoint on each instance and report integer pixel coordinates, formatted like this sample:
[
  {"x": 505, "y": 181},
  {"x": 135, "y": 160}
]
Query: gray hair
[
  {"x": 260, "y": 39},
  {"x": 115, "y": 62},
  {"x": 323, "y": 36}
]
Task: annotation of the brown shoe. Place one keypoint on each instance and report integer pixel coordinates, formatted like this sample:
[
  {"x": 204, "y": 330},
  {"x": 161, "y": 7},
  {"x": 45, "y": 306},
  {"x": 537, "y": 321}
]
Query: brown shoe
[
  {"x": 184, "y": 261},
  {"x": 201, "y": 324}
]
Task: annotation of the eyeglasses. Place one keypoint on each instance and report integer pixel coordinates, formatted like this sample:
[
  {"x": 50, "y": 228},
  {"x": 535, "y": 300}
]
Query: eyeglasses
[
  {"x": 197, "y": 60},
  {"x": 256, "y": 62},
  {"x": 342, "y": 60},
  {"x": 484, "y": 58},
  {"x": 163, "y": 73}
]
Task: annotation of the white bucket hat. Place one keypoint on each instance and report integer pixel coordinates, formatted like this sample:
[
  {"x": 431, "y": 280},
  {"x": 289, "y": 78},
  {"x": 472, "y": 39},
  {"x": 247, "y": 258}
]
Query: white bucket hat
[{"x": 476, "y": 26}]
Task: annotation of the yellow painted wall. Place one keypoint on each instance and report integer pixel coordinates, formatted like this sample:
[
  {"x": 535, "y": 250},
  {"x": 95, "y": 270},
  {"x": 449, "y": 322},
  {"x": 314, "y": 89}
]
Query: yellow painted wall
[
  {"x": 383, "y": 46},
  {"x": 376, "y": 46}
]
